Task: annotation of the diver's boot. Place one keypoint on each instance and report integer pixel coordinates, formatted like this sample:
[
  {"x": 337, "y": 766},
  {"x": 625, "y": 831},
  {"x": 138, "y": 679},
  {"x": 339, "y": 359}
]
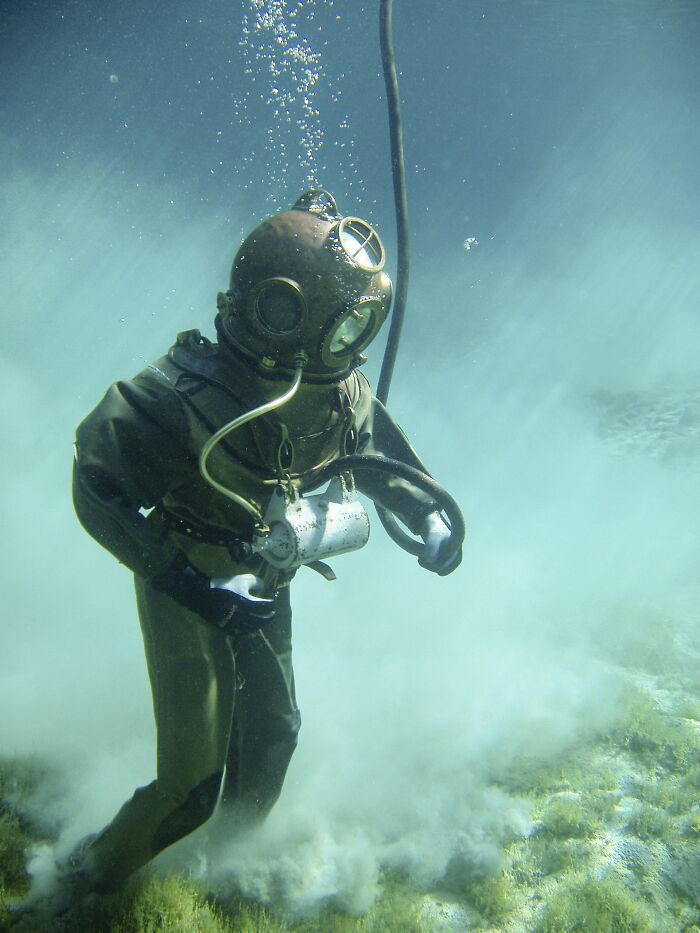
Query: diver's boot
[
  {"x": 57, "y": 911},
  {"x": 60, "y": 907}
]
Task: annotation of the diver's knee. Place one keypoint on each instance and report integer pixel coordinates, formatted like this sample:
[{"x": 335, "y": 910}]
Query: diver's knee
[
  {"x": 194, "y": 810},
  {"x": 278, "y": 727},
  {"x": 294, "y": 724},
  {"x": 283, "y": 731}
]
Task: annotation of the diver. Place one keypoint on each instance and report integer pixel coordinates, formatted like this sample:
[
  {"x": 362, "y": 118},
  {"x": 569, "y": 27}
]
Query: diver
[{"x": 307, "y": 294}]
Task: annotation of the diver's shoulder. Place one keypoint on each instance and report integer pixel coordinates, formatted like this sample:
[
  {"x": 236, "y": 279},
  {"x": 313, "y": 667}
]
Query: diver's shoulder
[
  {"x": 196, "y": 357},
  {"x": 190, "y": 356},
  {"x": 188, "y": 350},
  {"x": 154, "y": 393},
  {"x": 191, "y": 349}
]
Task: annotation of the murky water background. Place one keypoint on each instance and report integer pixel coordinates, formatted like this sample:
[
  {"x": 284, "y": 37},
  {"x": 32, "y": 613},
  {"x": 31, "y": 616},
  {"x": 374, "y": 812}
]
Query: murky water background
[{"x": 548, "y": 376}]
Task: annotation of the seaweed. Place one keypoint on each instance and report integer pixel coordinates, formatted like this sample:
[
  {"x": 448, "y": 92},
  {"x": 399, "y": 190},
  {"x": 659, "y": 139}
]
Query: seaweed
[{"x": 597, "y": 905}]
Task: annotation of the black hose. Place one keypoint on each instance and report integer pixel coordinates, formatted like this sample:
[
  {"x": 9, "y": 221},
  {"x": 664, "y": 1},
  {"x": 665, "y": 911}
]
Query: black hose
[
  {"x": 400, "y": 199},
  {"x": 359, "y": 462},
  {"x": 398, "y": 173}
]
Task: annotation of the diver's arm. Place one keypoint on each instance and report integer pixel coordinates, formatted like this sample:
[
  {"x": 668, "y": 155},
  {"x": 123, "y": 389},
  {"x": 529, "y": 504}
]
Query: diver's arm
[
  {"x": 379, "y": 435},
  {"x": 128, "y": 455},
  {"x": 130, "y": 452}
]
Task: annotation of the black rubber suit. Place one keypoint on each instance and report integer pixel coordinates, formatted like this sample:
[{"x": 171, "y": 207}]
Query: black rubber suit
[{"x": 224, "y": 702}]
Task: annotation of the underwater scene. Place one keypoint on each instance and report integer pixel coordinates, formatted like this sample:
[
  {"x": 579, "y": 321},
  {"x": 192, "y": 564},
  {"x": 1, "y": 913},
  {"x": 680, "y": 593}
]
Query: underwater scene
[{"x": 201, "y": 207}]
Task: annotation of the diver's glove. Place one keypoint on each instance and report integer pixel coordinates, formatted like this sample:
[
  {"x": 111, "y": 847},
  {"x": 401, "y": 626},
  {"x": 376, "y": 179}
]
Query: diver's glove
[
  {"x": 227, "y": 603},
  {"x": 436, "y": 534}
]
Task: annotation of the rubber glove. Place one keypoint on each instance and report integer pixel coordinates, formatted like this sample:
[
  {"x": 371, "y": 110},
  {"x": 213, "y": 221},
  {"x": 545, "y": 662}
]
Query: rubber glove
[
  {"x": 435, "y": 535},
  {"x": 227, "y": 603}
]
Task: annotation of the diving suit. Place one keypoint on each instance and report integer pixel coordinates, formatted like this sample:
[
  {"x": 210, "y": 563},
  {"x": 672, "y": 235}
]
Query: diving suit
[{"x": 307, "y": 292}]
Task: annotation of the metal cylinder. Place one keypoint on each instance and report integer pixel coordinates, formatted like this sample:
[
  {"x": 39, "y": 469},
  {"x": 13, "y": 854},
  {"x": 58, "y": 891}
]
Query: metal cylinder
[{"x": 312, "y": 528}]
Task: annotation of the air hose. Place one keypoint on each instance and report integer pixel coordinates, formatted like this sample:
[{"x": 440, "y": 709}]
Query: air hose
[
  {"x": 391, "y": 83},
  {"x": 360, "y": 462},
  {"x": 401, "y": 201},
  {"x": 229, "y": 427}
]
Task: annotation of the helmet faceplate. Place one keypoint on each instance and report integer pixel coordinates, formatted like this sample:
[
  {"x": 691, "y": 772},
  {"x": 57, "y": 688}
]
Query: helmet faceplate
[{"x": 307, "y": 281}]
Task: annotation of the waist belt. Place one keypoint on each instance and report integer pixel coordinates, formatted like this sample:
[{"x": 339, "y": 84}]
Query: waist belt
[{"x": 207, "y": 534}]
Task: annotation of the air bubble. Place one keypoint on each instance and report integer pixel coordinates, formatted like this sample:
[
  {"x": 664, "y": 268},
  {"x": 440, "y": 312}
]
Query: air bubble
[{"x": 280, "y": 51}]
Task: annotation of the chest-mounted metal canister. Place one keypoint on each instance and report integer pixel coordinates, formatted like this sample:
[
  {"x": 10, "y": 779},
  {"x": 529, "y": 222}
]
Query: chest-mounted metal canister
[{"x": 304, "y": 529}]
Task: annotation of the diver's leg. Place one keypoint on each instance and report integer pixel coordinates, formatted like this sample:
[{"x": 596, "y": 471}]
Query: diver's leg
[
  {"x": 192, "y": 672},
  {"x": 266, "y": 719}
]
